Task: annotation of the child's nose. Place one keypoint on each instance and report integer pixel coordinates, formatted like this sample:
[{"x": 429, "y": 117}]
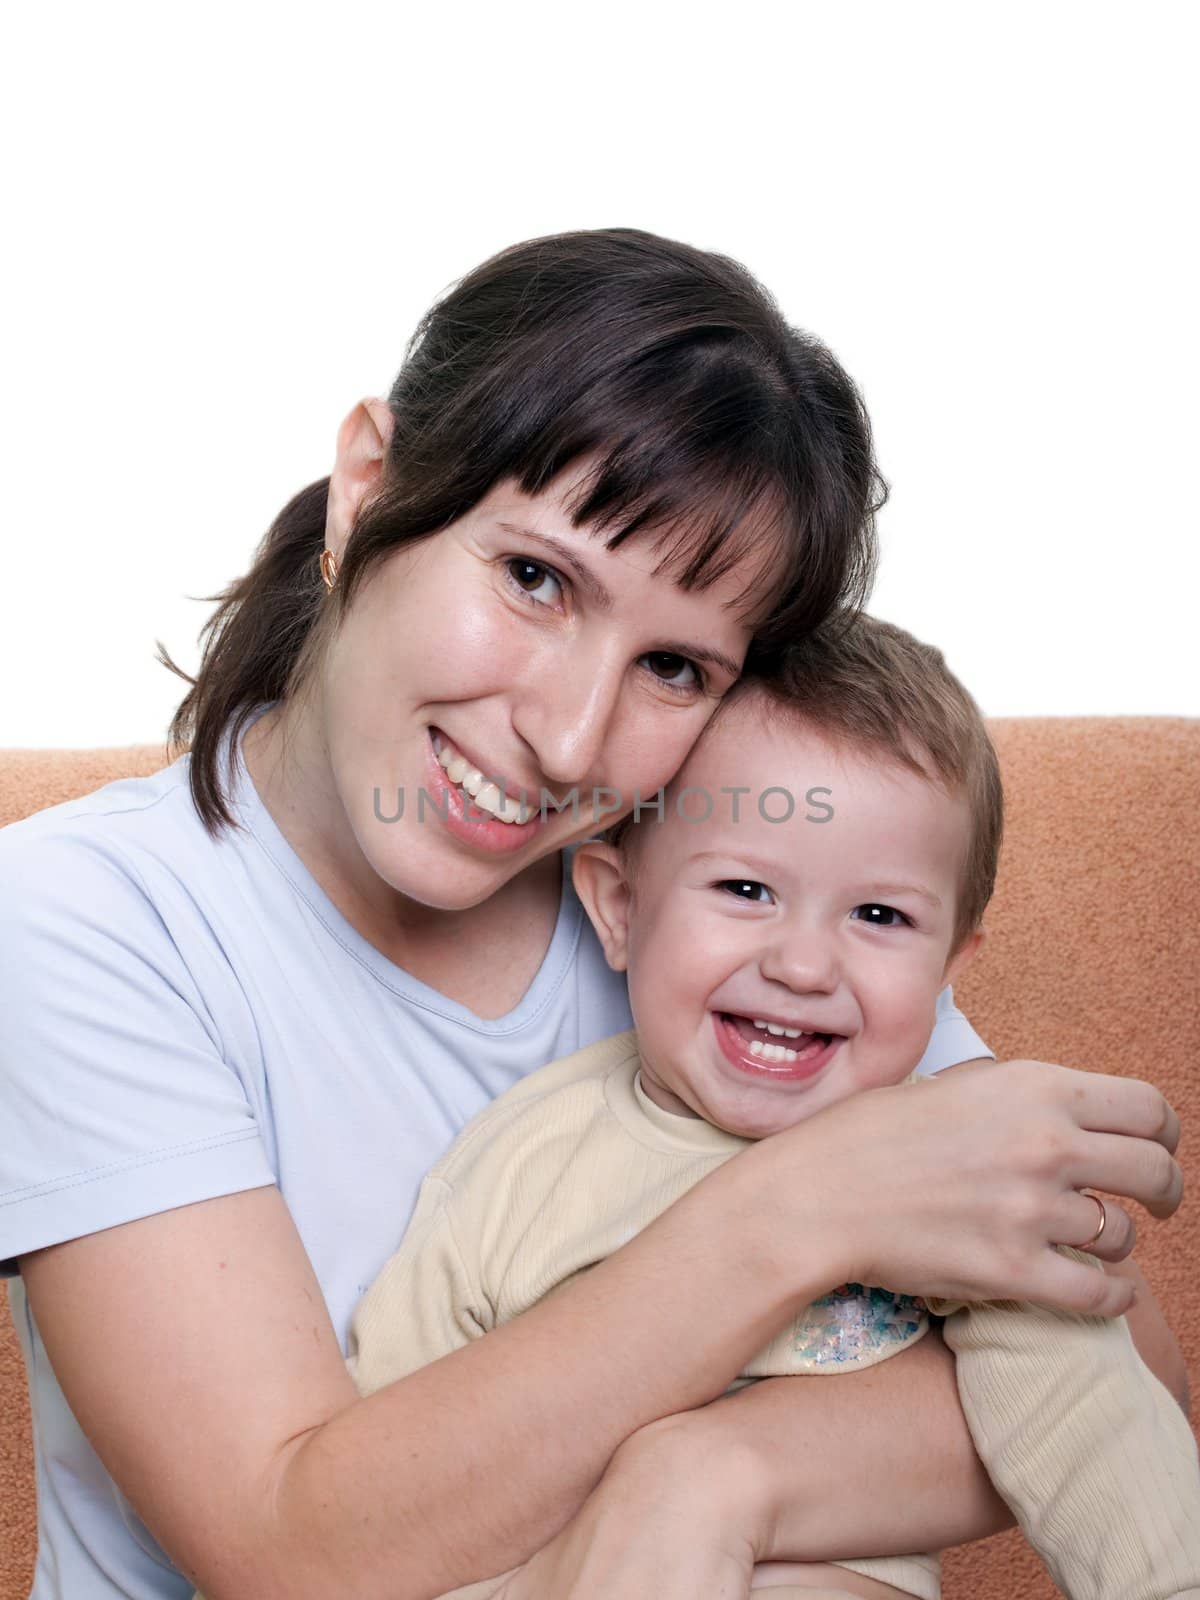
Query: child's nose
[{"x": 803, "y": 958}]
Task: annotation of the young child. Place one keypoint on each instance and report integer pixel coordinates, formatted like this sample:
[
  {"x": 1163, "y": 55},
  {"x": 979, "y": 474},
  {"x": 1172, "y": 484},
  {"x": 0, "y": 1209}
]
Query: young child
[{"x": 817, "y": 875}]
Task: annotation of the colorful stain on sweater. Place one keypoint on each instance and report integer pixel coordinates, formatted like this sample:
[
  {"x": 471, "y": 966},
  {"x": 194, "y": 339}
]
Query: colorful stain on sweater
[{"x": 855, "y": 1326}]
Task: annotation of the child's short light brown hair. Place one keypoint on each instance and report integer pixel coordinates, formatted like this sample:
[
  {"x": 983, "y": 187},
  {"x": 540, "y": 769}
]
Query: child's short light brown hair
[{"x": 868, "y": 685}]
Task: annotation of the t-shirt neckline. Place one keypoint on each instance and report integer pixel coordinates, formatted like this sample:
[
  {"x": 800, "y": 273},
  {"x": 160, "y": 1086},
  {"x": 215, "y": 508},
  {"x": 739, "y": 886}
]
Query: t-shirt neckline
[
  {"x": 546, "y": 981},
  {"x": 678, "y": 1129}
]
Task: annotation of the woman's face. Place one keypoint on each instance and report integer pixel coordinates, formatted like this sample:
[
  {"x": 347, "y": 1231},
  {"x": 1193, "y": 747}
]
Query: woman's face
[{"x": 514, "y": 647}]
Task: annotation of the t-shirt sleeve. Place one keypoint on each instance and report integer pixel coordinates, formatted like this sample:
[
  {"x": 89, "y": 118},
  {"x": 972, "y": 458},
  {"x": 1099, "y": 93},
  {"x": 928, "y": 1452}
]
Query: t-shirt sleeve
[
  {"x": 117, "y": 1099},
  {"x": 1088, "y": 1448},
  {"x": 953, "y": 1038}
]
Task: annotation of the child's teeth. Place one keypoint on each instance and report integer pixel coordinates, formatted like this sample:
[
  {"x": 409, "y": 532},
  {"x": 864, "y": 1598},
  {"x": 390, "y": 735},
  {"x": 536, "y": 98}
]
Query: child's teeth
[
  {"x": 778, "y": 1030},
  {"x": 772, "y": 1052}
]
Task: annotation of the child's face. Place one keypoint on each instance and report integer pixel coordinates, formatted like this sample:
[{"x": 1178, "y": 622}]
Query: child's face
[{"x": 839, "y": 928}]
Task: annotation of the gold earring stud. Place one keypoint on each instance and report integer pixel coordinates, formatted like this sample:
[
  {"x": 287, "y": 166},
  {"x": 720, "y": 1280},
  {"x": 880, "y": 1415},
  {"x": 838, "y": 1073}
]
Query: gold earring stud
[{"x": 329, "y": 568}]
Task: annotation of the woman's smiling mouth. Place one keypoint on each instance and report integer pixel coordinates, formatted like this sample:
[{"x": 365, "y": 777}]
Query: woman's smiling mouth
[
  {"x": 483, "y": 793},
  {"x": 473, "y": 818}
]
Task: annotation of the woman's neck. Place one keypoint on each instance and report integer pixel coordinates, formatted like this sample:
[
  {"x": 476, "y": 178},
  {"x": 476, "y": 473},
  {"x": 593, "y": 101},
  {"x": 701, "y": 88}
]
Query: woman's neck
[{"x": 484, "y": 958}]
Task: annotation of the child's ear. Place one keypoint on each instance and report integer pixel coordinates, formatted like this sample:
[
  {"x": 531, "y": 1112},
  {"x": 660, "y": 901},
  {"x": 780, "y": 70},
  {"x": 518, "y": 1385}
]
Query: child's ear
[
  {"x": 601, "y": 883},
  {"x": 962, "y": 957}
]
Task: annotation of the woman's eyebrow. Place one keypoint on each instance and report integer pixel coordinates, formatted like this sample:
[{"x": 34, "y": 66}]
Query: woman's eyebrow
[
  {"x": 603, "y": 600},
  {"x": 588, "y": 580}
]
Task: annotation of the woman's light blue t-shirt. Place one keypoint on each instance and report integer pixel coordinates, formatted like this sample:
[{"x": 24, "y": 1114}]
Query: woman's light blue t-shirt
[{"x": 183, "y": 1017}]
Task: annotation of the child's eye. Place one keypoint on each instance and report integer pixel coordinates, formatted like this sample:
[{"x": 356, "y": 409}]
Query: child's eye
[
  {"x": 532, "y": 580},
  {"x": 881, "y": 916},
  {"x": 748, "y": 889}
]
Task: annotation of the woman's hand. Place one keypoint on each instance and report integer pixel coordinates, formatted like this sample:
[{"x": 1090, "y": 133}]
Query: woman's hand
[
  {"x": 695, "y": 1506},
  {"x": 663, "y": 1523},
  {"x": 962, "y": 1186},
  {"x": 735, "y": 1487}
]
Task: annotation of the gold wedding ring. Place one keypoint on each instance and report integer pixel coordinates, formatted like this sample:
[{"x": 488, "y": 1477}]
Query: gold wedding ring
[{"x": 1088, "y": 1243}]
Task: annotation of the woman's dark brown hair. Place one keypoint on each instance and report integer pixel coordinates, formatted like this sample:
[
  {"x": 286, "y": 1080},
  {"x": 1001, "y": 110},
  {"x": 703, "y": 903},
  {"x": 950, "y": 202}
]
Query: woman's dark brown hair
[{"x": 719, "y": 432}]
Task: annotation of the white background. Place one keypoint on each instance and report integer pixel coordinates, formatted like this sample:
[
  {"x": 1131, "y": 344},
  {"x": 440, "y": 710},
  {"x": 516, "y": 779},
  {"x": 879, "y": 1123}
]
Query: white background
[{"x": 224, "y": 222}]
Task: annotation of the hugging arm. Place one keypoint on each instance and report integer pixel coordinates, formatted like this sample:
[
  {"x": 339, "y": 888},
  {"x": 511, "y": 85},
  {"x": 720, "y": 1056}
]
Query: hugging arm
[
  {"x": 757, "y": 1476},
  {"x": 897, "y": 1430},
  {"x": 692, "y": 1504},
  {"x": 469, "y": 1466}
]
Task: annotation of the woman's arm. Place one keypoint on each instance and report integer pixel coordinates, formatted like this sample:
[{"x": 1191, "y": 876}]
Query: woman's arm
[
  {"x": 195, "y": 1349},
  {"x": 693, "y": 1503},
  {"x": 1156, "y": 1344},
  {"x": 690, "y": 1505},
  {"x": 932, "y": 1492}
]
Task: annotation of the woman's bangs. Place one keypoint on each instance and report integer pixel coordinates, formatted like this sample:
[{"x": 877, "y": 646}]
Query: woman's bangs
[{"x": 703, "y": 521}]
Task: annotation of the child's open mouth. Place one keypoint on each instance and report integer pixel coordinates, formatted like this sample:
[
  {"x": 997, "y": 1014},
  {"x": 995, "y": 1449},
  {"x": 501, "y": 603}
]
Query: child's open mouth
[{"x": 774, "y": 1049}]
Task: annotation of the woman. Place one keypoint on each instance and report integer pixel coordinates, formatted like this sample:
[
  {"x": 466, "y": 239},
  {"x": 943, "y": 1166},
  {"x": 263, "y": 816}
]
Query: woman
[{"x": 248, "y": 1001}]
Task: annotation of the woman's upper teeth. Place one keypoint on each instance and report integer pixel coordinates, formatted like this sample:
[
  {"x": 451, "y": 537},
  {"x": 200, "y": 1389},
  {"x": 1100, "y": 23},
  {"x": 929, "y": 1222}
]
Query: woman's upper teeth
[{"x": 487, "y": 796}]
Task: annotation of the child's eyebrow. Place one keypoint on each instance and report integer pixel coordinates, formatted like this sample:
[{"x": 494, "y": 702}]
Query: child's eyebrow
[
  {"x": 737, "y": 860},
  {"x": 909, "y": 888}
]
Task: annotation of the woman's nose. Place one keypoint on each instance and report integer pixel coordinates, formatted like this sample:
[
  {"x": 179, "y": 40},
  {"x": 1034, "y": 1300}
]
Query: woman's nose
[
  {"x": 565, "y": 715},
  {"x": 804, "y": 958}
]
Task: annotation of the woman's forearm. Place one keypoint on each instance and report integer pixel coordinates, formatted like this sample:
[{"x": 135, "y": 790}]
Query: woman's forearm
[
  {"x": 195, "y": 1350},
  {"x": 895, "y": 1431},
  {"x": 690, "y": 1504},
  {"x": 1156, "y": 1344},
  {"x": 538, "y": 1408},
  {"x": 804, "y": 1439},
  {"x": 194, "y": 1347},
  {"x": 504, "y": 1440}
]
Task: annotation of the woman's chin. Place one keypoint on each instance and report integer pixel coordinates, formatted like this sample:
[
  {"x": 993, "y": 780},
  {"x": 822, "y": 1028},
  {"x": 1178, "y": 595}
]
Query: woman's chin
[{"x": 441, "y": 879}]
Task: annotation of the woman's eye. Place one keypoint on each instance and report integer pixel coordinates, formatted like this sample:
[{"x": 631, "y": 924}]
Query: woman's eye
[
  {"x": 543, "y": 587},
  {"x": 747, "y": 889},
  {"x": 881, "y": 916},
  {"x": 675, "y": 672},
  {"x": 533, "y": 581}
]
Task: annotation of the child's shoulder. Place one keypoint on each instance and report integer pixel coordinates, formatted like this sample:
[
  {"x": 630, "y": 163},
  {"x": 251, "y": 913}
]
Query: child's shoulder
[
  {"x": 592, "y": 1064},
  {"x": 560, "y": 1096}
]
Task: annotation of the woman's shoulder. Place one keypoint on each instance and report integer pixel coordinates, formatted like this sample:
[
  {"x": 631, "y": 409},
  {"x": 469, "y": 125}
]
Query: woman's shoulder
[
  {"x": 128, "y": 820},
  {"x": 114, "y": 1057},
  {"x": 130, "y": 832},
  {"x": 110, "y": 903}
]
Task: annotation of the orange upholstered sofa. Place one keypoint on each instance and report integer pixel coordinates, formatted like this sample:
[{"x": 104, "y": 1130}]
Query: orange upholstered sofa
[{"x": 1093, "y": 959}]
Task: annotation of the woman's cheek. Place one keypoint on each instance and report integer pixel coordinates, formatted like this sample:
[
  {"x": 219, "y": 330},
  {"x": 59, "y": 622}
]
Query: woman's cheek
[{"x": 653, "y": 758}]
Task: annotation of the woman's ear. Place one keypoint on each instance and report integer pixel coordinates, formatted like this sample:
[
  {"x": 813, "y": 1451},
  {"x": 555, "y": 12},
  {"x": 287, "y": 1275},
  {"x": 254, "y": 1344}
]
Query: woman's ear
[
  {"x": 601, "y": 883},
  {"x": 362, "y": 445},
  {"x": 962, "y": 957}
]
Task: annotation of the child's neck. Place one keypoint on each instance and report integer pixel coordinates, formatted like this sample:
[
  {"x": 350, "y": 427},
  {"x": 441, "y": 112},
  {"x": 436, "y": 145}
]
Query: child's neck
[{"x": 663, "y": 1097}]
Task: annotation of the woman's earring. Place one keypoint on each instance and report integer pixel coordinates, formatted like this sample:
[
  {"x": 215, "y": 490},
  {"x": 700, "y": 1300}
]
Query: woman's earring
[{"x": 329, "y": 568}]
